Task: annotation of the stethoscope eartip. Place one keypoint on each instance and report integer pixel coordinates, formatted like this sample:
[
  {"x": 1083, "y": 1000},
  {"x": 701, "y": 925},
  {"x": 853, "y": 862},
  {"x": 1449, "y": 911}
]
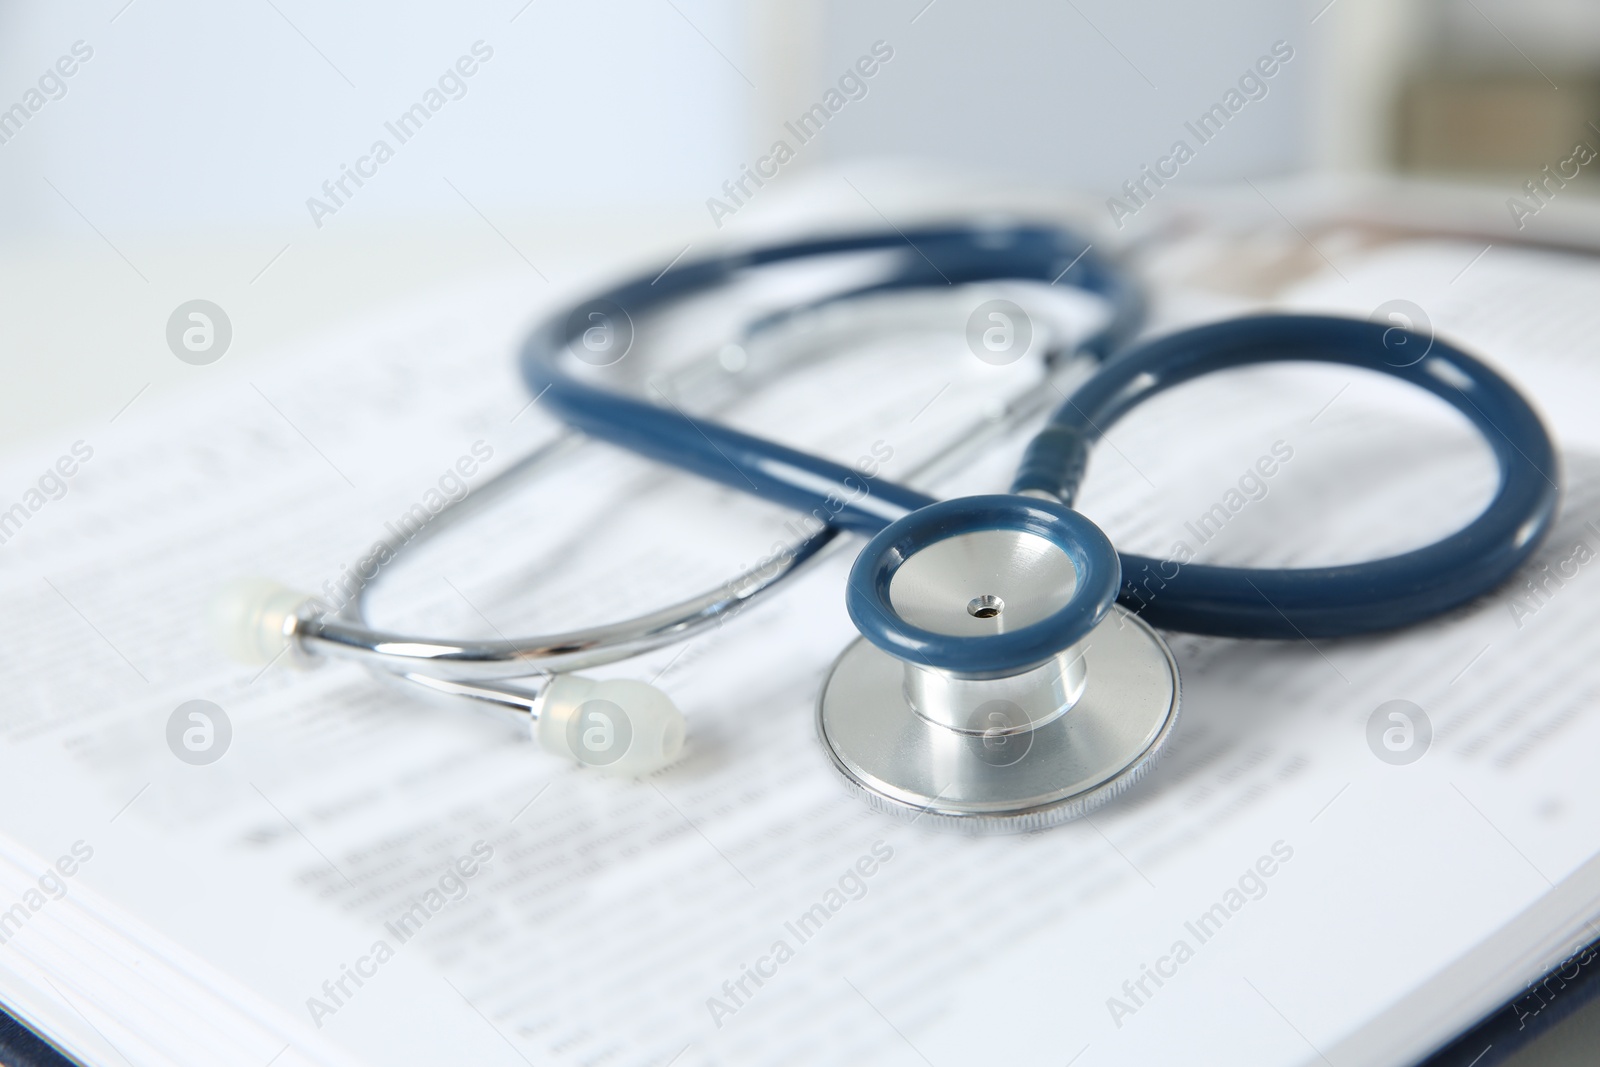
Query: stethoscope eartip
[
  {"x": 617, "y": 726},
  {"x": 253, "y": 620}
]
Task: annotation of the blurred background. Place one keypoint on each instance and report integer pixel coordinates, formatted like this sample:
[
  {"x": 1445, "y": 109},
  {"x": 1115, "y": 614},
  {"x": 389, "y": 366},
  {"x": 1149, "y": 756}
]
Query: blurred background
[
  {"x": 182, "y": 155},
  {"x": 193, "y": 116}
]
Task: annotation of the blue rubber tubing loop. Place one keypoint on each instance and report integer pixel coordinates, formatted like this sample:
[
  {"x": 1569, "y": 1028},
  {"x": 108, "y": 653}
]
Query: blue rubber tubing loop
[
  {"x": 836, "y": 494},
  {"x": 1355, "y": 598},
  {"x": 1093, "y": 559},
  {"x": 1229, "y": 601}
]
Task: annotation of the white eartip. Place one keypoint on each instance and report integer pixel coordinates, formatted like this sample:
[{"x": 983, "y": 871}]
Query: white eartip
[
  {"x": 617, "y": 726},
  {"x": 251, "y": 619}
]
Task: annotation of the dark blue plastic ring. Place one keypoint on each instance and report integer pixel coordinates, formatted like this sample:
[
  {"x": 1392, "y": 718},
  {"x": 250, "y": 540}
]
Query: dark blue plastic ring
[{"x": 1093, "y": 558}]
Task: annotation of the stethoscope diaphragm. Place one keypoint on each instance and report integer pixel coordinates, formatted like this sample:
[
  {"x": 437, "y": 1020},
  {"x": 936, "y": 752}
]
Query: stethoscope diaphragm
[{"x": 997, "y": 687}]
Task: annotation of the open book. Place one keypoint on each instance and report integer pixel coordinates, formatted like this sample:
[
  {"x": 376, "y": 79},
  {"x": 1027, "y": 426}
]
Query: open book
[{"x": 333, "y": 871}]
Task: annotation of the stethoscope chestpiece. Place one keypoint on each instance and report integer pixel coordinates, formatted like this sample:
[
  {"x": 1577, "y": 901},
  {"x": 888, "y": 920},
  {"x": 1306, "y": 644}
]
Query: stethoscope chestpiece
[{"x": 997, "y": 686}]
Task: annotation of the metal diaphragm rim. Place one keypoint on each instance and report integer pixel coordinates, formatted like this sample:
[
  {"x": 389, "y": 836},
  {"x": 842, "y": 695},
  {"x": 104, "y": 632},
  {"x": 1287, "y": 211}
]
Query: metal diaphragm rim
[{"x": 903, "y": 765}]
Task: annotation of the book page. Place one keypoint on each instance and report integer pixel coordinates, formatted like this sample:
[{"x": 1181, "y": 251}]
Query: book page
[{"x": 371, "y": 878}]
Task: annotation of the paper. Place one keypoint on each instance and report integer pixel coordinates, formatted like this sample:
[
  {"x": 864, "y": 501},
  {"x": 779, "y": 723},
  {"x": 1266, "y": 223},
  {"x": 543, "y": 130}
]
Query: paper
[{"x": 740, "y": 907}]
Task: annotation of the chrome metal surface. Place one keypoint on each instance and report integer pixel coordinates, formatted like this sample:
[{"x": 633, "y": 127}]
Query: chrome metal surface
[
  {"x": 903, "y": 764},
  {"x": 983, "y": 582},
  {"x": 1037, "y": 696},
  {"x": 482, "y": 660}
]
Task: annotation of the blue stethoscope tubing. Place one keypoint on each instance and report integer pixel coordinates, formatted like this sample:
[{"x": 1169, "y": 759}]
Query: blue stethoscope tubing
[{"x": 1309, "y": 602}]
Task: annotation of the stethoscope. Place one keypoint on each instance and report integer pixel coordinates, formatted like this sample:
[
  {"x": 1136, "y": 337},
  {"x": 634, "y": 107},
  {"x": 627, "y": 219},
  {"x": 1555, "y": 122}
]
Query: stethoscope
[{"x": 1009, "y": 674}]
